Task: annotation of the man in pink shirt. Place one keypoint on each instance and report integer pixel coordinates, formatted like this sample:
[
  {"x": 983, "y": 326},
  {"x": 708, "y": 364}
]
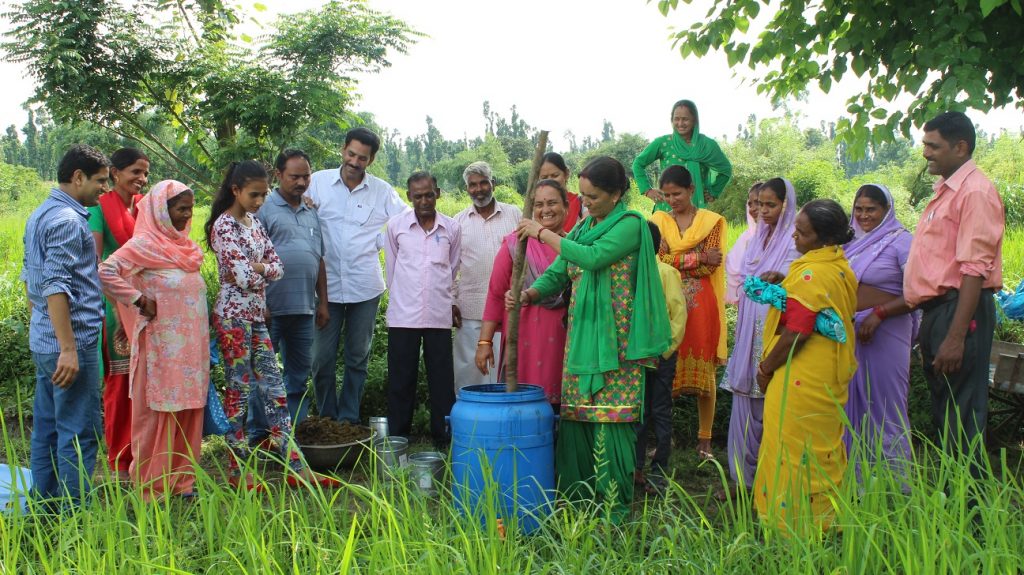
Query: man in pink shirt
[
  {"x": 955, "y": 265},
  {"x": 421, "y": 259}
]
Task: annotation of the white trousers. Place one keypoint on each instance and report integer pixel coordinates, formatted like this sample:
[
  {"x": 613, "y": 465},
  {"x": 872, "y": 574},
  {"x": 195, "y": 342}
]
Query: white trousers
[{"x": 464, "y": 351}]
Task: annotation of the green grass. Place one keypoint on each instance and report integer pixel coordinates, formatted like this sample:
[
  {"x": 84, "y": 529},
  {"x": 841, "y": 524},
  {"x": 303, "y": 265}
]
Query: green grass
[
  {"x": 375, "y": 527},
  {"x": 1013, "y": 257}
]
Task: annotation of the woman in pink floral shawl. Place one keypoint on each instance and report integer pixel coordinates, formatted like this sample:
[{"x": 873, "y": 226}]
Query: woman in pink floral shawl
[{"x": 156, "y": 273}]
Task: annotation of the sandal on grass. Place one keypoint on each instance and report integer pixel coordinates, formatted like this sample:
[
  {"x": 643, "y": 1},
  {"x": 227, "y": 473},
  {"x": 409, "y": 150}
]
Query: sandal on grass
[
  {"x": 249, "y": 485},
  {"x": 655, "y": 485},
  {"x": 293, "y": 480}
]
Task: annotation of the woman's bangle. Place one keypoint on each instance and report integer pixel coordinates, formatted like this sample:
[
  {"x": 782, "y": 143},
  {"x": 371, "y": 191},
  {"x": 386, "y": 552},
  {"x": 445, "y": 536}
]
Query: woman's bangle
[
  {"x": 760, "y": 370},
  {"x": 538, "y": 235},
  {"x": 483, "y": 342},
  {"x": 880, "y": 312}
]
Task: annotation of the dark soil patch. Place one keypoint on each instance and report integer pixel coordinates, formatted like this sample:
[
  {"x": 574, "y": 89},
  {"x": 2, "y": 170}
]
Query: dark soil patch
[{"x": 325, "y": 431}]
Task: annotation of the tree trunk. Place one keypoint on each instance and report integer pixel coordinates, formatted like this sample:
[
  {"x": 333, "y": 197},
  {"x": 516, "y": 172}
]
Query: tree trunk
[{"x": 518, "y": 271}]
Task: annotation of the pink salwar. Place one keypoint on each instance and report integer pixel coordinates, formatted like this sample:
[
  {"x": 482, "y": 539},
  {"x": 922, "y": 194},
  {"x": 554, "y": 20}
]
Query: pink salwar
[{"x": 165, "y": 446}]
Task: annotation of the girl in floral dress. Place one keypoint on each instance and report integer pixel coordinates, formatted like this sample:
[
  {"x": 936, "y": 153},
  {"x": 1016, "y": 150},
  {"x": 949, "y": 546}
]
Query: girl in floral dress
[{"x": 246, "y": 261}]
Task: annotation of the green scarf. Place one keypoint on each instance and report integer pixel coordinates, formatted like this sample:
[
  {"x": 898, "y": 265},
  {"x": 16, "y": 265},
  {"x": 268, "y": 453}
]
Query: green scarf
[
  {"x": 593, "y": 346},
  {"x": 700, "y": 152},
  {"x": 704, "y": 159}
]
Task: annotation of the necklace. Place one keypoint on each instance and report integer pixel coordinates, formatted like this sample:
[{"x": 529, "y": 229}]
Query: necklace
[{"x": 686, "y": 217}]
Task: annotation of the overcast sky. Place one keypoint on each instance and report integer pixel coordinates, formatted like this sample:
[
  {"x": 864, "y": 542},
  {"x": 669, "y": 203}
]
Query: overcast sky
[{"x": 566, "y": 65}]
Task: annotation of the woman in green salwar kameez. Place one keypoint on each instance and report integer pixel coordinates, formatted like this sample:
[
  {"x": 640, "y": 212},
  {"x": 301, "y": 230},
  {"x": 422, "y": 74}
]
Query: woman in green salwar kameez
[
  {"x": 686, "y": 147},
  {"x": 618, "y": 325}
]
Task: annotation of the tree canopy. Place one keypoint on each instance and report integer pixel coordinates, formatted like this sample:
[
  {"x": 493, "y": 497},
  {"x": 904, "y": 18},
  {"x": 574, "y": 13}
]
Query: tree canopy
[
  {"x": 946, "y": 55},
  {"x": 181, "y": 63}
]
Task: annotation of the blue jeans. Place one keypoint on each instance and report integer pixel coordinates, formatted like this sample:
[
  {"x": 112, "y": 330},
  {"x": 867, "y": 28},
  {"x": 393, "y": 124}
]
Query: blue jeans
[
  {"x": 66, "y": 428},
  {"x": 357, "y": 319},
  {"x": 292, "y": 336}
]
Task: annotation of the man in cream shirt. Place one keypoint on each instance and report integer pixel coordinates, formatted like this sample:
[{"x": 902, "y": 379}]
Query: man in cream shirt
[{"x": 484, "y": 224}]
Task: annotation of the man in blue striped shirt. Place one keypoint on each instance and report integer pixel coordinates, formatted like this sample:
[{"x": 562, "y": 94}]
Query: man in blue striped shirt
[{"x": 59, "y": 271}]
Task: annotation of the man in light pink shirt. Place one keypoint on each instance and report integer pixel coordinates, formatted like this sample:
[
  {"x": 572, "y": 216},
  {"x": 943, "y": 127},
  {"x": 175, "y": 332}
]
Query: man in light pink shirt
[
  {"x": 484, "y": 225},
  {"x": 421, "y": 259},
  {"x": 954, "y": 266}
]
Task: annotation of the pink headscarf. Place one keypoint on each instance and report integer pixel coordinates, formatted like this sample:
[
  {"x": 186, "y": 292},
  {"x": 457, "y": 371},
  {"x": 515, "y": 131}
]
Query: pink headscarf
[{"x": 156, "y": 244}]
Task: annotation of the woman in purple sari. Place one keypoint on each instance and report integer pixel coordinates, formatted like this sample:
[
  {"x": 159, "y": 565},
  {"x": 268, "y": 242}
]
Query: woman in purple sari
[
  {"x": 770, "y": 250},
  {"x": 877, "y": 407}
]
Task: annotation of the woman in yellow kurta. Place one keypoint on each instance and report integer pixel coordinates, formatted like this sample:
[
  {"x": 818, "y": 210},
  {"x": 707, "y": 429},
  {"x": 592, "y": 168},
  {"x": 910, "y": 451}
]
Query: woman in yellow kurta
[
  {"x": 692, "y": 244},
  {"x": 802, "y": 459}
]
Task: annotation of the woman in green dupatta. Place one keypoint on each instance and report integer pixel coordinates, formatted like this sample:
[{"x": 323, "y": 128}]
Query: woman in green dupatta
[
  {"x": 618, "y": 325},
  {"x": 686, "y": 147}
]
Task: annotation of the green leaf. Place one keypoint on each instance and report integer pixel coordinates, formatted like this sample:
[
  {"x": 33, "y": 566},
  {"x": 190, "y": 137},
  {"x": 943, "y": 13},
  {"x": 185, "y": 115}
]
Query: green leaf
[
  {"x": 825, "y": 83},
  {"x": 879, "y": 113},
  {"x": 259, "y": 7},
  {"x": 742, "y": 24},
  {"x": 987, "y": 6},
  {"x": 858, "y": 64},
  {"x": 246, "y": 38}
]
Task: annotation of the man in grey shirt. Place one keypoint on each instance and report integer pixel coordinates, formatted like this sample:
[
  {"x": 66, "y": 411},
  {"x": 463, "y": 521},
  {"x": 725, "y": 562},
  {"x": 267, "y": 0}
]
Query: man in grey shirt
[{"x": 297, "y": 304}]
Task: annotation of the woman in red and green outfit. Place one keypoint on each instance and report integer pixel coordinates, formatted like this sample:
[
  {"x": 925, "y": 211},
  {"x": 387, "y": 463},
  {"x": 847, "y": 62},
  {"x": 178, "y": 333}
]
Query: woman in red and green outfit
[
  {"x": 618, "y": 325},
  {"x": 112, "y": 223}
]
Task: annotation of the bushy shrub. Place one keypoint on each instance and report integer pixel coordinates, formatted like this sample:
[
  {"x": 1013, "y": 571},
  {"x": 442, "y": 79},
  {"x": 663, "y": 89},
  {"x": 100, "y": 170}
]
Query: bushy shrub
[
  {"x": 17, "y": 370},
  {"x": 816, "y": 179},
  {"x": 1013, "y": 201},
  {"x": 21, "y": 189}
]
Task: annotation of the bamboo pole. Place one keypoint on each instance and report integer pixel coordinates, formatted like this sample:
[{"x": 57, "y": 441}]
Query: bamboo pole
[{"x": 518, "y": 271}]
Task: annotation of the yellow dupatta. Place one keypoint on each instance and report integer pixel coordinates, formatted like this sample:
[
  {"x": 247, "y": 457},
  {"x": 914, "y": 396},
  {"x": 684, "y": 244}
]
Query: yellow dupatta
[
  {"x": 704, "y": 222},
  {"x": 821, "y": 279}
]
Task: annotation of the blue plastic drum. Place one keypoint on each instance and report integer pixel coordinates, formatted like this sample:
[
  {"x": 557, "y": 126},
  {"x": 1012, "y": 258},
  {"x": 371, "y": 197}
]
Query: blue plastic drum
[{"x": 503, "y": 454}]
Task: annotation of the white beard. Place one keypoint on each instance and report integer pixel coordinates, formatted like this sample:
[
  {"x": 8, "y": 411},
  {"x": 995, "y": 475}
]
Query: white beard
[{"x": 485, "y": 202}]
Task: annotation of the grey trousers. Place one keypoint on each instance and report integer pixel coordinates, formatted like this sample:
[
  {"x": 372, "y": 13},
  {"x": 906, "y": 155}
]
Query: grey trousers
[{"x": 960, "y": 400}]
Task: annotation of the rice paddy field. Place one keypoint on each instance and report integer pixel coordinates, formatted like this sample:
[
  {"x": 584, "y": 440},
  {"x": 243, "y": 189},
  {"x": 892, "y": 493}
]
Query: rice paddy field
[{"x": 936, "y": 519}]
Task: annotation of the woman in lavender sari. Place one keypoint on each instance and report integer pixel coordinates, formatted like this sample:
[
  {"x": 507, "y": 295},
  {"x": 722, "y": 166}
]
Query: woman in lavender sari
[
  {"x": 770, "y": 251},
  {"x": 877, "y": 407}
]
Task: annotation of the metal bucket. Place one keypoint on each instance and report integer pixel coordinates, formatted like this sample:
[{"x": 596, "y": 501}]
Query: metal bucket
[
  {"x": 426, "y": 471},
  {"x": 391, "y": 456},
  {"x": 379, "y": 425}
]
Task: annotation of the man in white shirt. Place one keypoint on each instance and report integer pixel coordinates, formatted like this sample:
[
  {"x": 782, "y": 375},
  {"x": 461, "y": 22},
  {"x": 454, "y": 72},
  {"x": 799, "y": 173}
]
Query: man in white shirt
[
  {"x": 353, "y": 207},
  {"x": 484, "y": 224}
]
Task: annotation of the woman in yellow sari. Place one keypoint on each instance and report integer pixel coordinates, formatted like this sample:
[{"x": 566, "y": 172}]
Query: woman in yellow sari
[
  {"x": 802, "y": 459},
  {"x": 692, "y": 243}
]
